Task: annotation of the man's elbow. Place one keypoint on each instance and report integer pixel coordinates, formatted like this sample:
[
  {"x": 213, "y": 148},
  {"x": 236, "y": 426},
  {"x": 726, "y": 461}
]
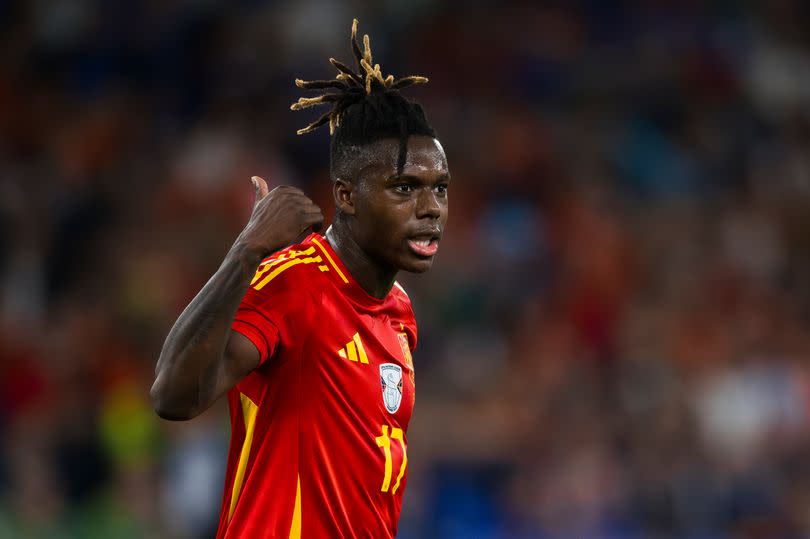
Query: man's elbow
[{"x": 168, "y": 407}]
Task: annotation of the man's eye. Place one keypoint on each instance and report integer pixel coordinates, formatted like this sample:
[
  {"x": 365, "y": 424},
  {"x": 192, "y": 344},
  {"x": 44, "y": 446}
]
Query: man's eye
[
  {"x": 404, "y": 188},
  {"x": 441, "y": 189}
]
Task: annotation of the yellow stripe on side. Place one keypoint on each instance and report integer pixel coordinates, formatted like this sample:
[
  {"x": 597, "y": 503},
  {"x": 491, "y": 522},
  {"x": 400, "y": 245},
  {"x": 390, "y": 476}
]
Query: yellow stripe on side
[
  {"x": 360, "y": 350},
  {"x": 329, "y": 258},
  {"x": 295, "y": 527},
  {"x": 249, "y": 410},
  {"x": 283, "y": 267}
]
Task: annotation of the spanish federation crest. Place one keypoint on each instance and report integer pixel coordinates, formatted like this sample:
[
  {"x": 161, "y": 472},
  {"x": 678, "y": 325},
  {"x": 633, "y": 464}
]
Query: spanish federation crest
[
  {"x": 406, "y": 349},
  {"x": 391, "y": 381}
]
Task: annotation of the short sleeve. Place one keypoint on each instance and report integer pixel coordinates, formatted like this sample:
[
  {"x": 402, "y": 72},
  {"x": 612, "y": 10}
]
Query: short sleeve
[
  {"x": 275, "y": 311},
  {"x": 257, "y": 320},
  {"x": 265, "y": 314}
]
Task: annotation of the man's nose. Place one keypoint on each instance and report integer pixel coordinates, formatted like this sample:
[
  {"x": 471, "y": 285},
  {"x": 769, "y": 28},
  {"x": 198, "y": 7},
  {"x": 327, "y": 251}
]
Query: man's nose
[{"x": 427, "y": 205}]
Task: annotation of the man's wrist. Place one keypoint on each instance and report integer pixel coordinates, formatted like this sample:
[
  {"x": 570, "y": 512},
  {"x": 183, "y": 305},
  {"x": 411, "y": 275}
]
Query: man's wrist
[{"x": 249, "y": 256}]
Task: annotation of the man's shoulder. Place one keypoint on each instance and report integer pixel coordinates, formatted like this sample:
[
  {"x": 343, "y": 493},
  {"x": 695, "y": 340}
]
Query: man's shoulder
[{"x": 297, "y": 267}]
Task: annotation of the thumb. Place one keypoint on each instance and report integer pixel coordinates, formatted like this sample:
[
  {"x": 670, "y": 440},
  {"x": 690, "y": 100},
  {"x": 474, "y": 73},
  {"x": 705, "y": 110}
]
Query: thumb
[{"x": 261, "y": 187}]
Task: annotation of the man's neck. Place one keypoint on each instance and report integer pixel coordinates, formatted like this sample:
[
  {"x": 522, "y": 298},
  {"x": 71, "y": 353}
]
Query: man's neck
[{"x": 373, "y": 277}]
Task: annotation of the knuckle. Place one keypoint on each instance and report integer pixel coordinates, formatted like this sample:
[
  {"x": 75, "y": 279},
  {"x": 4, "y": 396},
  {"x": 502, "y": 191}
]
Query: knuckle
[{"x": 283, "y": 190}]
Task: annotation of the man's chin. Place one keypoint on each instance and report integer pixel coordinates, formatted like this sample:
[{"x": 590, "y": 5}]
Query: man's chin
[{"x": 418, "y": 265}]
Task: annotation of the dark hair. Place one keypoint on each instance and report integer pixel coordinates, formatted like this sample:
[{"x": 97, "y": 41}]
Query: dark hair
[{"x": 366, "y": 105}]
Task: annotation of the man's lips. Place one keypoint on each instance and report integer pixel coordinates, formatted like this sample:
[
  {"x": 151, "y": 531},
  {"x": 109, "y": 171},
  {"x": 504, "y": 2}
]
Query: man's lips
[{"x": 424, "y": 246}]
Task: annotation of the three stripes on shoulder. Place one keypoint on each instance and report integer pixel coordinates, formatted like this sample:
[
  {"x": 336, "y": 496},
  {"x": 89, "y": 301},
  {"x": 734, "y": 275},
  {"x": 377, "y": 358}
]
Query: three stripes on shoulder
[{"x": 283, "y": 262}]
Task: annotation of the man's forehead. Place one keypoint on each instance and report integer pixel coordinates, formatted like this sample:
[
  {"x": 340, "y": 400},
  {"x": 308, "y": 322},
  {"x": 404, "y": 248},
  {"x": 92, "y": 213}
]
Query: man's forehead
[{"x": 423, "y": 153}]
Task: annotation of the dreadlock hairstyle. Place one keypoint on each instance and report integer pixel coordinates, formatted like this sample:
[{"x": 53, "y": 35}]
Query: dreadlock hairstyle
[{"x": 365, "y": 105}]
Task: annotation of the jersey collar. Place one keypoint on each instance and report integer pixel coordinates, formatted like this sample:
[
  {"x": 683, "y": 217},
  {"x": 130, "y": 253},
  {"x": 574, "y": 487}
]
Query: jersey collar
[{"x": 342, "y": 275}]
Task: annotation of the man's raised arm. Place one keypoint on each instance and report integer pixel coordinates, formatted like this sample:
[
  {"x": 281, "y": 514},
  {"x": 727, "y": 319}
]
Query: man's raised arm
[{"x": 201, "y": 358}]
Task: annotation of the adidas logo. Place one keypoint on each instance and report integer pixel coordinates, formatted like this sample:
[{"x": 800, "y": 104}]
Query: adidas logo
[{"x": 354, "y": 350}]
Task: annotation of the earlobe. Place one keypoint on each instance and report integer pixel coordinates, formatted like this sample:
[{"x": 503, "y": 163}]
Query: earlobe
[{"x": 343, "y": 192}]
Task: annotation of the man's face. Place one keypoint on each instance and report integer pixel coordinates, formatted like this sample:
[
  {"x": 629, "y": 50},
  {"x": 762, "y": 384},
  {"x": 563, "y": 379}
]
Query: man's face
[{"x": 399, "y": 218}]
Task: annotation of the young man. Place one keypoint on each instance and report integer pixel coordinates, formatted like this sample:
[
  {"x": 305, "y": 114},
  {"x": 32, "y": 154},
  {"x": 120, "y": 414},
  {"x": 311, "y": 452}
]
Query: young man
[{"x": 312, "y": 344}]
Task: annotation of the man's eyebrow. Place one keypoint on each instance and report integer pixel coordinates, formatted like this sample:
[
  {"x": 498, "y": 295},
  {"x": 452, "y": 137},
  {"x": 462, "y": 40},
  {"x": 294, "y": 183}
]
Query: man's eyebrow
[{"x": 410, "y": 177}]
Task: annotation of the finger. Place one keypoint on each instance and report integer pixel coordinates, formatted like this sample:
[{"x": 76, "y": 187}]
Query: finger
[
  {"x": 306, "y": 207},
  {"x": 255, "y": 188},
  {"x": 306, "y": 202},
  {"x": 302, "y": 208},
  {"x": 312, "y": 221},
  {"x": 315, "y": 220},
  {"x": 297, "y": 201},
  {"x": 310, "y": 211},
  {"x": 303, "y": 234},
  {"x": 288, "y": 189},
  {"x": 261, "y": 187}
]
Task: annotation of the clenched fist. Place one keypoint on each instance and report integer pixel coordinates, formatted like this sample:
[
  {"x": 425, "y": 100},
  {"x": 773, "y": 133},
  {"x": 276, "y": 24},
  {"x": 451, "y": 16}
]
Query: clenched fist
[{"x": 280, "y": 217}]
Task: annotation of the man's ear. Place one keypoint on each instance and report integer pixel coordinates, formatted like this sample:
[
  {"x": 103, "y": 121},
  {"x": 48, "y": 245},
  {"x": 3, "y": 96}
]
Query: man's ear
[{"x": 343, "y": 192}]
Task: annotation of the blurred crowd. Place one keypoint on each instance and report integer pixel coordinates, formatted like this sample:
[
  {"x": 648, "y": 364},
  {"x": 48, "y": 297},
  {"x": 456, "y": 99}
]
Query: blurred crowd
[{"x": 613, "y": 341}]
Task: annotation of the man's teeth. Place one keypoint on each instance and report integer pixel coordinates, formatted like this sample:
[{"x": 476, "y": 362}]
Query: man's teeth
[{"x": 423, "y": 243}]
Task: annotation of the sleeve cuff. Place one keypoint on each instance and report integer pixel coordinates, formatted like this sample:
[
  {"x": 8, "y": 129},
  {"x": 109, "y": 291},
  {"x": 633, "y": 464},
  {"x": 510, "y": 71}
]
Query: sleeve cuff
[{"x": 255, "y": 336}]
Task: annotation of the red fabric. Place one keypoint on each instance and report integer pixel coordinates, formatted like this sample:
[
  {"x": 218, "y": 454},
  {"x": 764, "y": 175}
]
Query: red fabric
[{"x": 319, "y": 414}]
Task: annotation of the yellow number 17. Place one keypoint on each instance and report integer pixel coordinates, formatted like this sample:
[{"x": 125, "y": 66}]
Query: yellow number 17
[{"x": 384, "y": 441}]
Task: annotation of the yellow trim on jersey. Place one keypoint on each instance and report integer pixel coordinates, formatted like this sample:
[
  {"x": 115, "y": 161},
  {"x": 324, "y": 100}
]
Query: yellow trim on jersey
[
  {"x": 361, "y": 352},
  {"x": 354, "y": 350},
  {"x": 406, "y": 348},
  {"x": 397, "y": 434},
  {"x": 351, "y": 348},
  {"x": 329, "y": 258},
  {"x": 249, "y": 410},
  {"x": 264, "y": 267},
  {"x": 385, "y": 442},
  {"x": 275, "y": 273},
  {"x": 295, "y": 527}
]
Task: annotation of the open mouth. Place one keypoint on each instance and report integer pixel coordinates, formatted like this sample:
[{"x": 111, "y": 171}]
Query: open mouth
[{"x": 424, "y": 246}]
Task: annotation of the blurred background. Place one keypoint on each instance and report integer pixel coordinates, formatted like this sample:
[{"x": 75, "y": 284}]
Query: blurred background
[{"x": 613, "y": 341}]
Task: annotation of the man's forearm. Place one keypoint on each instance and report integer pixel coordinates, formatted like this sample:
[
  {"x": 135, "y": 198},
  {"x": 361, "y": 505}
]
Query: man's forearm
[{"x": 191, "y": 361}]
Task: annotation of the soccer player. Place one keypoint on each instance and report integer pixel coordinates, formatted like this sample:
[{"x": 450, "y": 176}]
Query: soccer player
[{"x": 312, "y": 342}]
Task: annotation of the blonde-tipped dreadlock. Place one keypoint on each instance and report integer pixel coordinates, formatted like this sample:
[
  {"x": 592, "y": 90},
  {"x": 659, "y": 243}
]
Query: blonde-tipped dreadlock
[{"x": 352, "y": 87}]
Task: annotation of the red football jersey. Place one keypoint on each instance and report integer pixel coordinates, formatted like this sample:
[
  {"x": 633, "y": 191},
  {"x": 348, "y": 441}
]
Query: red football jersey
[{"x": 318, "y": 446}]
